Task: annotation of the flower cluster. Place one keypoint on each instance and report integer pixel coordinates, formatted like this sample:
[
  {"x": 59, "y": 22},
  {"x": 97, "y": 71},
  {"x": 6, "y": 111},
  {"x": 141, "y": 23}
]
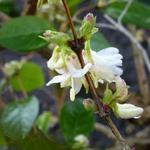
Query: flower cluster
[{"x": 103, "y": 67}]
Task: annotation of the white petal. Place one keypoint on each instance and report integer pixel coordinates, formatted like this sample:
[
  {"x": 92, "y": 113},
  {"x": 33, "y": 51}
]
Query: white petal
[
  {"x": 58, "y": 79},
  {"x": 117, "y": 71},
  {"x": 66, "y": 83},
  {"x": 60, "y": 71},
  {"x": 72, "y": 94},
  {"x": 77, "y": 84},
  {"x": 81, "y": 72},
  {"x": 108, "y": 51}
]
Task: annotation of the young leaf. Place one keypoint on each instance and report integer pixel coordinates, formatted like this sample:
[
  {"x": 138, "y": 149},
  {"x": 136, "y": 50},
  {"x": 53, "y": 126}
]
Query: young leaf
[
  {"x": 75, "y": 120},
  {"x": 21, "y": 34},
  {"x": 138, "y": 13},
  {"x": 44, "y": 120},
  {"x": 18, "y": 117},
  {"x": 99, "y": 42},
  {"x": 31, "y": 77}
]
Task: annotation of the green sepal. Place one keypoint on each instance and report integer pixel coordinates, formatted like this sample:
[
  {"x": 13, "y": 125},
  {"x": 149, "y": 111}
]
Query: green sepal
[
  {"x": 88, "y": 27},
  {"x": 55, "y": 37},
  {"x": 108, "y": 96}
]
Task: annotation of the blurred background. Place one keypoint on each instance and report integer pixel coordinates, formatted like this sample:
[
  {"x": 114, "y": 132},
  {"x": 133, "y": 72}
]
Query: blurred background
[{"x": 34, "y": 116}]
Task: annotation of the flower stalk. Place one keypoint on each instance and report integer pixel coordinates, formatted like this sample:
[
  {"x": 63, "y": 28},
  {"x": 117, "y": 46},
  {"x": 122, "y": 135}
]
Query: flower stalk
[{"x": 97, "y": 99}]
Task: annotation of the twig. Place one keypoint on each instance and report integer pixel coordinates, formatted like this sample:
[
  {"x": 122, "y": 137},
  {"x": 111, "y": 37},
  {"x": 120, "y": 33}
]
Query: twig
[
  {"x": 104, "y": 130},
  {"x": 70, "y": 20},
  {"x": 132, "y": 39},
  {"x": 142, "y": 78},
  {"x": 97, "y": 99},
  {"x": 124, "y": 11}
]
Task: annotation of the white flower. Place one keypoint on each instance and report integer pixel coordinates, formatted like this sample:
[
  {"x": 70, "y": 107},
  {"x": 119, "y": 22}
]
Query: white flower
[
  {"x": 70, "y": 72},
  {"x": 81, "y": 141},
  {"x": 12, "y": 67},
  {"x": 56, "y": 62},
  {"x": 127, "y": 111},
  {"x": 121, "y": 89},
  {"x": 106, "y": 64}
]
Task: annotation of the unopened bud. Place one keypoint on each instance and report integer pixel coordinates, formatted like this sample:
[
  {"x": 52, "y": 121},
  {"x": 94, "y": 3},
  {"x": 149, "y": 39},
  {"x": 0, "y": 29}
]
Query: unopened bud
[
  {"x": 89, "y": 104},
  {"x": 127, "y": 111},
  {"x": 47, "y": 33},
  {"x": 121, "y": 90},
  {"x": 55, "y": 37},
  {"x": 89, "y": 17},
  {"x": 88, "y": 26},
  {"x": 81, "y": 141}
]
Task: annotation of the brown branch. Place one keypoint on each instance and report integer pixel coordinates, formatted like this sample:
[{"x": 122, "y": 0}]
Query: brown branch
[
  {"x": 141, "y": 72},
  {"x": 70, "y": 20}
]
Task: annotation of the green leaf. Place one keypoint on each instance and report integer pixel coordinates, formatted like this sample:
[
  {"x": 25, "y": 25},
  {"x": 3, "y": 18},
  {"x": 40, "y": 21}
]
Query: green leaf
[
  {"x": 75, "y": 120},
  {"x": 138, "y": 13},
  {"x": 146, "y": 2},
  {"x": 31, "y": 77},
  {"x": 73, "y": 4},
  {"x": 18, "y": 117},
  {"x": 99, "y": 42},
  {"x": 8, "y": 7},
  {"x": 2, "y": 139},
  {"x": 44, "y": 120},
  {"x": 21, "y": 34},
  {"x": 40, "y": 141}
]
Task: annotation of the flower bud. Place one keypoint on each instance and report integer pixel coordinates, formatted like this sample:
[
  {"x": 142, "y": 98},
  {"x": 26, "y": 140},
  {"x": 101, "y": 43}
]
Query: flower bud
[
  {"x": 121, "y": 89},
  {"x": 127, "y": 111},
  {"x": 89, "y": 104},
  {"x": 108, "y": 96},
  {"x": 81, "y": 141},
  {"x": 55, "y": 62},
  {"x": 87, "y": 28},
  {"x": 58, "y": 38},
  {"x": 89, "y": 17}
]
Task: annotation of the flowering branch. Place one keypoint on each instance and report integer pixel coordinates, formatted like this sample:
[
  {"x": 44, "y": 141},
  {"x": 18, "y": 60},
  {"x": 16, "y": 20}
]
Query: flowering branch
[{"x": 97, "y": 99}]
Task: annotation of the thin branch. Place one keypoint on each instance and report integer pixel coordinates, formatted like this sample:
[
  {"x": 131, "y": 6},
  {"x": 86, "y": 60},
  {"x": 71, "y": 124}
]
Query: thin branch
[
  {"x": 124, "y": 11},
  {"x": 132, "y": 39},
  {"x": 70, "y": 20},
  {"x": 142, "y": 78},
  {"x": 104, "y": 130}
]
